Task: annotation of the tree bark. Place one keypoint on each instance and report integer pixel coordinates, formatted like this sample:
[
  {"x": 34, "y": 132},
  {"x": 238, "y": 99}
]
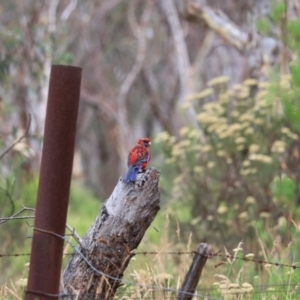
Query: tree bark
[
  {"x": 261, "y": 52},
  {"x": 108, "y": 244}
]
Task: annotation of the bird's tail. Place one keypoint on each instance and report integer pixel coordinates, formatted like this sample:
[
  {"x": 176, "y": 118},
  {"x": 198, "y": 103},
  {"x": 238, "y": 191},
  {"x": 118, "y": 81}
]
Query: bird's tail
[{"x": 131, "y": 174}]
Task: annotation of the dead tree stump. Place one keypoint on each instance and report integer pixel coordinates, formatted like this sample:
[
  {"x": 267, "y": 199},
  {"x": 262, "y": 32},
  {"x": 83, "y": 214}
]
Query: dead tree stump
[{"x": 117, "y": 230}]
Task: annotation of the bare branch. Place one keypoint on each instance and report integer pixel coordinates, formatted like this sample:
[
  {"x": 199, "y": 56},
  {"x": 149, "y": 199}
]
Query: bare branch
[
  {"x": 16, "y": 215},
  {"x": 74, "y": 234},
  {"x": 68, "y": 10},
  {"x": 122, "y": 111},
  {"x": 156, "y": 103},
  {"x": 18, "y": 140},
  {"x": 96, "y": 103},
  {"x": 2, "y": 220},
  {"x": 182, "y": 57},
  {"x": 106, "y": 7},
  {"x": 8, "y": 195},
  {"x": 198, "y": 64},
  {"x": 220, "y": 24},
  {"x": 52, "y": 15},
  {"x": 260, "y": 52}
]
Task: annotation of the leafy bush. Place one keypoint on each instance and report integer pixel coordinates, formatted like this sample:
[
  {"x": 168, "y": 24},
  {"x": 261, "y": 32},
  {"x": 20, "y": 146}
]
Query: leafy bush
[
  {"x": 237, "y": 176},
  {"x": 230, "y": 172}
]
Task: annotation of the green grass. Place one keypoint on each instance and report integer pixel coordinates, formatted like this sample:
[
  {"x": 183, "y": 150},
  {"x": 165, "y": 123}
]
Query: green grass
[
  {"x": 83, "y": 209},
  {"x": 15, "y": 235},
  {"x": 222, "y": 278}
]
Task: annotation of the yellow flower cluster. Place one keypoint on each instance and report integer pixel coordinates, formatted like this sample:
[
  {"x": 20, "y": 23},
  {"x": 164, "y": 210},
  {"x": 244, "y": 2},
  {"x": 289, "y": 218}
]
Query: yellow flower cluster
[
  {"x": 206, "y": 92},
  {"x": 250, "y": 82},
  {"x": 234, "y": 125},
  {"x": 177, "y": 151},
  {"x": 162, "y": 137},
  {"x": 222, "y": 209},
  {"x": 211, "y": 164},
  {"x": 289, "y": 133},
  {"x": 240, "y": 140},
  {"x": 254, "y": 148},
  {"x": 261, "y": 158},
  {"x": 184, "y": 131},
  {"x": 278, "y": 147},
  {"x": 250, "y": 200},
  {"x": 218, "y": 80},
  {"x": 246, "y": 163},
  {"x": 249, "y": 131},
  {"x": 249, "y": 171},
  {"x": 285, "y": 81},
  {"x": 221, "y": 153},
  {"x": 246, "y": 117},
  {"x": 198, "y": 169}
]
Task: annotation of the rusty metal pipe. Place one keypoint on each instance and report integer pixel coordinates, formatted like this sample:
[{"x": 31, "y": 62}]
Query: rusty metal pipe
[{"x": 54, "y": 182}]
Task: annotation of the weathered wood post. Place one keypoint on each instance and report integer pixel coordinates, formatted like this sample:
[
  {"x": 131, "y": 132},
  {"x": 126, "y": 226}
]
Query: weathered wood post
[
  {"x": 117, "y": 230},
  {"x": 193, "y": 275}
]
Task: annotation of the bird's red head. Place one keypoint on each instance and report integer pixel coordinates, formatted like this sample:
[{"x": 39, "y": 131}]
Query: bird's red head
[{"x": 146, "y": 142}]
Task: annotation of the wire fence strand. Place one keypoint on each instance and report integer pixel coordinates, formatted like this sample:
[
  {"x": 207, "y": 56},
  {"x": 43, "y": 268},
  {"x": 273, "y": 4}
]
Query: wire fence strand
[
  {"x": 179, "y": 253},
  {"x": 203, "y": 293}
]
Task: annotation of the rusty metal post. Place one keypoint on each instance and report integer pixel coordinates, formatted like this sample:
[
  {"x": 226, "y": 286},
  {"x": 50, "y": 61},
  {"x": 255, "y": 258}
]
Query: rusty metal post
[
  {"x": 193, "y": 275},
  {"x": 54, "y": 183}
]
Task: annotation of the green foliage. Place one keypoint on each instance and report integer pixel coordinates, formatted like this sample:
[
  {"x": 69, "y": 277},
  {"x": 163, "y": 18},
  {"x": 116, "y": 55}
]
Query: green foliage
[
  {"x": 283, "y": 189},
  {"x": 293, "y": 36},
  {"x": 295, "y": 71},
  {"x": 263, "y": 26},
  {"x": 65, "y": 59},
  {"x": 83, "y": 208},
  {"x": 277, "y": 10},
  {"x": 29, "y": 192},
  {"x": 239, "y": 172},
  {"x": 226, "y": 172},
  {"x": 277, "y": 18},
  {"x": 7, "y": 184}
]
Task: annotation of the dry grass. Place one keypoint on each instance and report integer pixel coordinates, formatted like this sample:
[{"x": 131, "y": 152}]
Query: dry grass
[{"x": 160, "y": 276}]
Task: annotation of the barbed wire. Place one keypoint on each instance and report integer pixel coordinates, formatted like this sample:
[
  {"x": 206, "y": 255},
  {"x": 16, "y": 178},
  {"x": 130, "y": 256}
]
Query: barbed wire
[
  {"x": 153, "y": 287},
  {"x": 79, "y": 241},
  {"x": 209, "y": 256},
  {"x": 259, "y": 289},
  {"x": 200, "y": 295},
  {"x": 217, "y": 254}
]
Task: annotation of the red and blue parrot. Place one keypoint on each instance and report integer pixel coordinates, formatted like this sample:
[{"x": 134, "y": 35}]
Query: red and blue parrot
[{"x": 138, "y": 159}]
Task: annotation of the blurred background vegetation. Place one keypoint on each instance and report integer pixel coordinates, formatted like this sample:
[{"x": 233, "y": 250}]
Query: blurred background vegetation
[{"x": 214, "y": 84}]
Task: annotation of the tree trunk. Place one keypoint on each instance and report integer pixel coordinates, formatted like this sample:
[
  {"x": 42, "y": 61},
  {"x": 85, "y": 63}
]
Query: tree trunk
[{"x": 107, "y": 246}]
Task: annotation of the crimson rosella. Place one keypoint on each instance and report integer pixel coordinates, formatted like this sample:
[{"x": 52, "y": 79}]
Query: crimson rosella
[{"x": 138, "y": 159}]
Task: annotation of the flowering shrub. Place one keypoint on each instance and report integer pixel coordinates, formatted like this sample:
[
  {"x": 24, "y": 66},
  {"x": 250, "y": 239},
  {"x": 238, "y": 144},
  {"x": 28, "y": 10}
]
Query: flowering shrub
[{"x": 232, "y": 171}]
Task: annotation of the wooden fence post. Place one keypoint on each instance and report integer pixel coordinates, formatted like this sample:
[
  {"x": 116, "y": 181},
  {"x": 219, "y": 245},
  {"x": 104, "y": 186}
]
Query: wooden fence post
[
  {"x": 107, "y": 246},
  {"x": 193, "y": 275}
]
